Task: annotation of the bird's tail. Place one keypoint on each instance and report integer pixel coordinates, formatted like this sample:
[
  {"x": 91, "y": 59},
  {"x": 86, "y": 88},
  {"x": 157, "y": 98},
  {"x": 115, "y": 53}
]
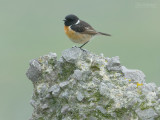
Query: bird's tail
[{"x": 100, "y": 33}]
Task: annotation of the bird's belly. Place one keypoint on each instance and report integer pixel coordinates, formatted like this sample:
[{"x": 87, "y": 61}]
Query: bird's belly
[{"x": 76, "y": 37}]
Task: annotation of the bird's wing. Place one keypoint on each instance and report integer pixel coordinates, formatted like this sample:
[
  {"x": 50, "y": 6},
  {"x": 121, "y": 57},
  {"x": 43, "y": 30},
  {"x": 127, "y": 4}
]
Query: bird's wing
[{"x": 84, "y": 28}]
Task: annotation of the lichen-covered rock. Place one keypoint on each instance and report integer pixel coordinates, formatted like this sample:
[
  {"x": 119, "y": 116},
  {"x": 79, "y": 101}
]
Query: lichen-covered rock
[
  {"x": 147, "y": 114},
  {"x": 84, "y": 86},
  {"x": 34, "y": 72},
  {"x": 134, "y": 75}
]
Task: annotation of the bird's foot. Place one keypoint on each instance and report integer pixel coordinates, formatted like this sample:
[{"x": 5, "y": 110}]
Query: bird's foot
[
  {"x": 74, "y": 47},
  {"x": 82, "y": 49},
  {"x": 79, "y": 48}
]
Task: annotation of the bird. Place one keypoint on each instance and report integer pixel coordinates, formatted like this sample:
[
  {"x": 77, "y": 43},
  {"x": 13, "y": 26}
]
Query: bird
[{"x": 79, "y": 31}]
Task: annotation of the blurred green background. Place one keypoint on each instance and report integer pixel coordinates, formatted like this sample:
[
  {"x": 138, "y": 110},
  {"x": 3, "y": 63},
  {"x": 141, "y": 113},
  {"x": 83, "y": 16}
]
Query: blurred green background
[{"x": 32, "y": 28}]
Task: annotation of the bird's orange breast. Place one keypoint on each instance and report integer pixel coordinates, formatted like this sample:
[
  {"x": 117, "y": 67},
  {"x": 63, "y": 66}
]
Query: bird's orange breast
[
  {"x": 75, "y": 36},
  {"x": 70, "y": 33}
]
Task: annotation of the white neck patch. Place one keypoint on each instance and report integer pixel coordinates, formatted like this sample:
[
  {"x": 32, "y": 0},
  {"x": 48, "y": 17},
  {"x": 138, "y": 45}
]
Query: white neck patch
[{"x": 77, "y": 22}]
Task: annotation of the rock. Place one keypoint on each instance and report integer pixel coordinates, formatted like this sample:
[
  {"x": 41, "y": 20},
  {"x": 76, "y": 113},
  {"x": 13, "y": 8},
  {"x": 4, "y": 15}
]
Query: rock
[
  {"x": 85, "y": 86},
  {"x": 63, "y": 84},
  {"x": 80, "y": 96},
  {"x": 77, "y": 75},
  {"x": 135, "y": 75},
  {"x": 101, "y": 109},
  {"x": 150, "y": 87},
  {"x": 113, "y": 64},
  {"x": 72, "y": 55},
  {"x": 103, "y": 89},
  {"x": 64, "y": 94},
  {"x": 44, "y": 106},
  {"x": 64, "y": 109},
  {"x": 93, "y": 118},
  {"x": 55, "y": 89},
  {"x": 52, "y": 56},
  {"x": 34, "y": 72},
  {"x": 147, "y": 114}
]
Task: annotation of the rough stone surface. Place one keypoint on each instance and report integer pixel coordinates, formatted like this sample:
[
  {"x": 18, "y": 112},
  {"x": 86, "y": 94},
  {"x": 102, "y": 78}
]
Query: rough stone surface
[
  {"x": 84, "y": 86},
  {"x": 135, "y": 75},
  {"x": 147, "y": 114},
  {"x": 34, "y": 72}
]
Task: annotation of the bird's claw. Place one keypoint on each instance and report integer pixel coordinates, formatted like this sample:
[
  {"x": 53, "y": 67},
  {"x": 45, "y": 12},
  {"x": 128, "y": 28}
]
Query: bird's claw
[
  {"x": 74, "y": 47},
  {"x": 82, "y": 49}
]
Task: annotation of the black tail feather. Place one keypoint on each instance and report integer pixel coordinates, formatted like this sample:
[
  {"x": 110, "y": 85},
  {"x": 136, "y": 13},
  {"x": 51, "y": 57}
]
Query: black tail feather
[{"x": 104, "y": 34}]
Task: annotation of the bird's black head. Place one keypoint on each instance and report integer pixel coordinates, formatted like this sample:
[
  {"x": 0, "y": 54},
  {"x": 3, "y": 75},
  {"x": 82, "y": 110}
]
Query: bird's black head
[{"x": 70, "y": 20}]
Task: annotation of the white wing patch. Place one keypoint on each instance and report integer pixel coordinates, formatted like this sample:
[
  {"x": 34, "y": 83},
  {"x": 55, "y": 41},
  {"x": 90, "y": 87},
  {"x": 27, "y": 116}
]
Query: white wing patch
[{"x": 88, "y": 29}]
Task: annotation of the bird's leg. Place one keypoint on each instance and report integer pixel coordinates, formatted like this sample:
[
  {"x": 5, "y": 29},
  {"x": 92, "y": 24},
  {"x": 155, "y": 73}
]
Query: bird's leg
[{"x": 83, "y": 45}]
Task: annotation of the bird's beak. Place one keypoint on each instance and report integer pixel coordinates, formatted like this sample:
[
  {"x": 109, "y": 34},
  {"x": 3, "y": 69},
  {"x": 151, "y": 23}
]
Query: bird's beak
[{"x": 64, "y": 20}]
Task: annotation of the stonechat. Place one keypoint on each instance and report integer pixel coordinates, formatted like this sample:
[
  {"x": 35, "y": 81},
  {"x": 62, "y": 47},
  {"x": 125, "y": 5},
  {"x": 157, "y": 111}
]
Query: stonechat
[{"x": 79, "y": 31}]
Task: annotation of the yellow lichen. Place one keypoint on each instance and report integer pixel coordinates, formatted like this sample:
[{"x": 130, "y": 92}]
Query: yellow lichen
[
  {"x": 40, "y": 60},
  {"x": 139, "y": 84}
]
